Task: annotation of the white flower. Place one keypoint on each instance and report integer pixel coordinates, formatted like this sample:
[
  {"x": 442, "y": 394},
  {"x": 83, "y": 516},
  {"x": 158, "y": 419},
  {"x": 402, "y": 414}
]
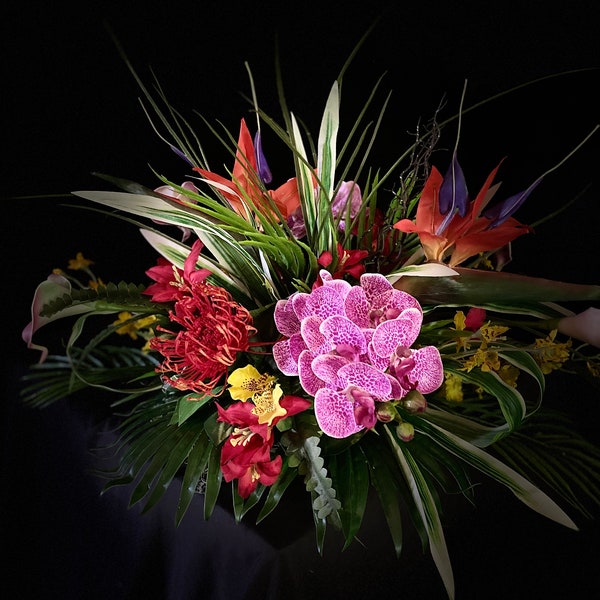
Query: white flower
[{"x": 584, "y": 326}]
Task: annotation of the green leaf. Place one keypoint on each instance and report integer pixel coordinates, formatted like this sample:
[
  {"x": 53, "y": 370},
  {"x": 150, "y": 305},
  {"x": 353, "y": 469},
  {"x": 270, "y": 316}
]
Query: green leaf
[
  {"x": 424, "y": 500},
  {"x": 214, "y": 477},
  {"x": 276, "y": 491},
  {"x": 473, "y": 287},
  {"x": 186, "y": 439},
  {"x": 350, "y": 475},
  {"x": 491, "y": 466},
  {"x": 510, "y": 400},
  {"x": 385, "y": 481},
  {"x": 194, "y": 470}
]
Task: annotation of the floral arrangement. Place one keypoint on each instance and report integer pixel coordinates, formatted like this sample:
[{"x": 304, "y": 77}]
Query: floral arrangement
[{"x": 352, "y": 328}]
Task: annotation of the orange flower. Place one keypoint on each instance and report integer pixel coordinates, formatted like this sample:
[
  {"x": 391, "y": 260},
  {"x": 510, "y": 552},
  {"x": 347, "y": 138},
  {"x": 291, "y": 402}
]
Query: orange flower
[
  {"x": 448, "y": 224},
  {"x": 246, "y": 185}
]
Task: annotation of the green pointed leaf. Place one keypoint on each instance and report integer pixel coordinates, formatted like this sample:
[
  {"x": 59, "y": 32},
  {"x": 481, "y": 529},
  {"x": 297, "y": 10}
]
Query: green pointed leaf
[
  {"x": 277, "y": 490},
  {"x": 214, "y": 477},
  {"x": 475, "y": 287},
  {"x": 385, "y": 481},
  {"x": 194, "y": 470},
  {"x": 491, "y": 466},
  {"x": 424, "y": 500},
  {"x": 176, "y": 458},
  {"x": 350, "y": 474}
]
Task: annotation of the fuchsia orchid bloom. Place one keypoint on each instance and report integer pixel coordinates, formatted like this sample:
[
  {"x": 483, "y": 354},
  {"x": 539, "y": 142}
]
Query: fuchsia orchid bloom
[
  {"x": 351, "y": 347},
  {"x": 446, "y": 222},
  {"x": 246, "y": 454},
  {"x": 246, "y": 182}
]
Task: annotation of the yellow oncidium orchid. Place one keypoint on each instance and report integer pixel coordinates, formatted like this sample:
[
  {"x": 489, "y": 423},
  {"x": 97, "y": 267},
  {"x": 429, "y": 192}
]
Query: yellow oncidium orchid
[
  {"x": 133, "y": 327},
  {"x": 486, "y": 360},
  {"x": 453, "y": 388},
  {"x": 490, "y": 333},
  {"x": 551, "y": 355},
  {"x": 247, "y": 383}
]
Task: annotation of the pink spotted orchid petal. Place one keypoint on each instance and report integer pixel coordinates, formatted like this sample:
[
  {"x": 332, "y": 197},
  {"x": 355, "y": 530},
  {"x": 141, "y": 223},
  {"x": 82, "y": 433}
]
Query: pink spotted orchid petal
[
  {"x": 326, "y": 367},
  {"x": 283, "y": 358},
  {"x": 397, "y": 390},
  {"x": 366, "y": 377},
  {"x": 374, "y": 284},
  {"x": 428, "y": 372},
  {"x": 402, "y": 331},
  {"x": 324, "y": 302},
  {"x": 314, "y": 339},
  {"x": 341, "y": 286},
  {"x": 335, "y": 413},
  {"x": 308, "y": 378},
  {"x": 357, "y": 307},
  {"x": 392, "y": 303},
  {"x": 285, "y": 317},
  {"x": 381, "y": 363},
  {"x": 346, "y": 337}
]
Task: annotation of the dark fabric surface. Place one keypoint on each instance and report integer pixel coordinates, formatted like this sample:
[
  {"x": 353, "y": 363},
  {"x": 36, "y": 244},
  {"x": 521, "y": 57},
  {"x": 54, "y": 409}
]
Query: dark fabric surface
[{"x": 70, "y": 107}]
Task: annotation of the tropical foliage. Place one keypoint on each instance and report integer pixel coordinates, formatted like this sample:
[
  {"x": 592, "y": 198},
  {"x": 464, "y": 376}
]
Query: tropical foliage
[{"x": 347, "y": 326}]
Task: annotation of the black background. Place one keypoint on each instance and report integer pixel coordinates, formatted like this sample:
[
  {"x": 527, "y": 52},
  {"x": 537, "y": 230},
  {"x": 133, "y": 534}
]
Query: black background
[{"x": 70, "y": 107}]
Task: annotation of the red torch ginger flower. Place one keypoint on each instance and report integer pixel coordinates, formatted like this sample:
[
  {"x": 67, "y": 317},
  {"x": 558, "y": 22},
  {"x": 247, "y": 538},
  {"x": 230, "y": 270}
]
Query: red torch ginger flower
[{"x": 214, "y": 329}]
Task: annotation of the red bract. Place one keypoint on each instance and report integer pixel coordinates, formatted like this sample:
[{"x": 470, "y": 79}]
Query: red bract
[
  {"x": 214, "y": 329},
  {"x": 350, "y": 262},
  {"x": 168, "y": 277}
]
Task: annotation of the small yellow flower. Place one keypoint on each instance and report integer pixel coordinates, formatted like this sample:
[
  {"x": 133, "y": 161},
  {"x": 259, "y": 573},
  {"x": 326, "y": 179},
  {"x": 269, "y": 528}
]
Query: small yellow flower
[
  {"x": 133, "y": 327},
  {"x": 490, "y": 333},
  {"x": 509, "y": 374},
  {"x": 486, "y": 360},
  {"x": 266, "y": 405},
  {"x": 95, "y": 284},
  {"x": 453, "y": 388},
  {"x": 79, "y": 263},
  {"x": 247, "y": 381},
  {"x": 459, "y": 325},
  {"x": 593, "y": 367},
  {"x": 459, "y": 320},
  {"x": 551, "y": 355}
]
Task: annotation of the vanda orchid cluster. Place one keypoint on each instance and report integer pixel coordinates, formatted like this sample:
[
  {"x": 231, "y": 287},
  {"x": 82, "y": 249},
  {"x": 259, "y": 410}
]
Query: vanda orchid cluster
[{"x": 353, "y": 331}]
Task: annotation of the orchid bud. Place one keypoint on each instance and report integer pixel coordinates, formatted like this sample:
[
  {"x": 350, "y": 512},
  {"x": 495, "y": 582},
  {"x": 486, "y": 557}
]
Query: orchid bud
[
  {"x": 414, "y": 402},
  {"x": 385, "y": 412},
  {"x": 405, "y": 431}
]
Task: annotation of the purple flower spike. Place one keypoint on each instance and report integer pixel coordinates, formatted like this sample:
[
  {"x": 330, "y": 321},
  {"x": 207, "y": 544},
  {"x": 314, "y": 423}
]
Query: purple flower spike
[
  {"x": 261, "y": 162},
  {"x": 351, "y": 347},
  {"x": 505, "y": 209},
  {"x": 453, "y": 191}
]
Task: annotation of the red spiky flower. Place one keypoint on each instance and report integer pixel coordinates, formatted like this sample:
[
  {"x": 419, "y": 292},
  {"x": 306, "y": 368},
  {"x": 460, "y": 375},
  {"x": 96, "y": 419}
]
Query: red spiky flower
[{"x": 214, "y": 329}]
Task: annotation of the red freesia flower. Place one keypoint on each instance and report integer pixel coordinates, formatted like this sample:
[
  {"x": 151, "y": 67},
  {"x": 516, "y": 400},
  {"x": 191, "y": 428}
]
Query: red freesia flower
[
  {"x": 214, "y": 329},
  {"x": 246, "y": 183}
]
